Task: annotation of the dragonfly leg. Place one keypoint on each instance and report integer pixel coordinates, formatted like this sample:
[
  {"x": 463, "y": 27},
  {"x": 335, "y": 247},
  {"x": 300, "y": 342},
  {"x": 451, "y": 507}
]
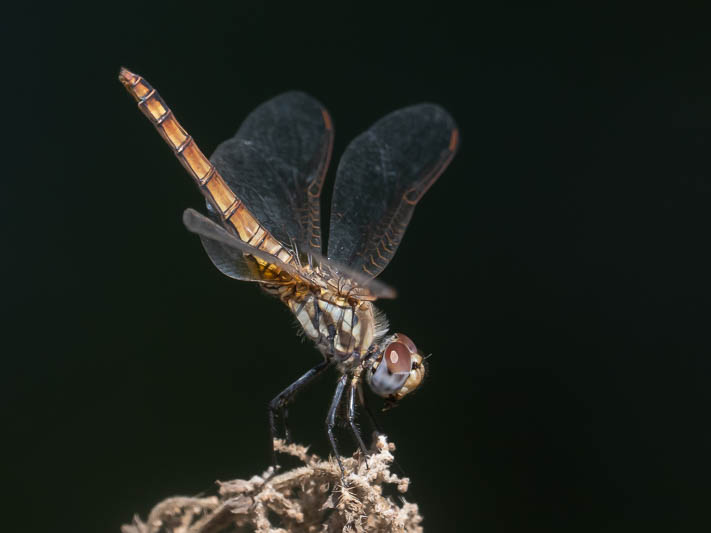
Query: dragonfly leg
[
  {"x": 368, "y": 412},
  {"x": 284, "y": 423},
  {"x": 331, "y": 419},
  {"x": 351, "y": 421},
  {"x": 364, "y": 403},
  {"x": 277, "y": 406}
]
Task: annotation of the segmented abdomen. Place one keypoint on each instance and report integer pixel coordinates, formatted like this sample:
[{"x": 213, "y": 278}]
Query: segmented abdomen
[{"x": 232, "y": 211}]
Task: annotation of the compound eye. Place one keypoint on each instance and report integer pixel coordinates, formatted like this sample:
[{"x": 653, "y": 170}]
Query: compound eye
[
  {"x": 407, "y": 341},
  {"x": 398, "y": 358},
  {"x": 392, "y": 371}
]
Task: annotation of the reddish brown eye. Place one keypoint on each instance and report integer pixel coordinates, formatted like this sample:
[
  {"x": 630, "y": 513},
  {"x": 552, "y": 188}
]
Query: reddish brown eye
[
  {"x": 407, "y": 341},
  {"x": 397, "y": 357}
]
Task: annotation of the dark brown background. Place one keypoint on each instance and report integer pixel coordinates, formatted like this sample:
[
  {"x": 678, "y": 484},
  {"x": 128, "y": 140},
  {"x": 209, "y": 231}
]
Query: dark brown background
[{"x": 567, "y": 305}]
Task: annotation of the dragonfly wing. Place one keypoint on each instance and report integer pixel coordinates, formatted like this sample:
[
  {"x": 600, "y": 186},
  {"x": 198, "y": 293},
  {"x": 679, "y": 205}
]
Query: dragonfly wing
[
  {"x": 219, "y": 238},
  {"x": 382, "y": 175},
  {"x": 374, "y": 287},
  {"x": 276, "y": 164},
  {"x": 229, "y": 261}
]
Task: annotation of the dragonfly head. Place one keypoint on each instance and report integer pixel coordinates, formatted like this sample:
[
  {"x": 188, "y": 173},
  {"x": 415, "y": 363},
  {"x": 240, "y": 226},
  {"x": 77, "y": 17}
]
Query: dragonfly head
[{"x": 397, "y": 370}]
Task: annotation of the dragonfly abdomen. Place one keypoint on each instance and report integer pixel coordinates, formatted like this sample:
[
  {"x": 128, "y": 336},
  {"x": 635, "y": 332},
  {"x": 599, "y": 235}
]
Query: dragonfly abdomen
[{"x": 233, "y": 213}]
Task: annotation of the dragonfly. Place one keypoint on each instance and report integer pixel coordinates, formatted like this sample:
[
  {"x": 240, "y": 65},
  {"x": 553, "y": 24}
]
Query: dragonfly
[{"x": 262, "y": 191}]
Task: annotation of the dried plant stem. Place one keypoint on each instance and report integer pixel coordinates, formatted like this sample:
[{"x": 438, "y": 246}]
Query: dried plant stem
[{"x": 309, "y": 498}]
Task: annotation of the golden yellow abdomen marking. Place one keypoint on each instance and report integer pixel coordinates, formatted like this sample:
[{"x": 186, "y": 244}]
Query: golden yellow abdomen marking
[{"x": 231, "y": 209}]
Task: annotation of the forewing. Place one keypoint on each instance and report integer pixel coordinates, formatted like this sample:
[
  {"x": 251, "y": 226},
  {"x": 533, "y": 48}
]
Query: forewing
[
  {"x": 276, "y": 164},
  {"x": 382, "y": 175}
]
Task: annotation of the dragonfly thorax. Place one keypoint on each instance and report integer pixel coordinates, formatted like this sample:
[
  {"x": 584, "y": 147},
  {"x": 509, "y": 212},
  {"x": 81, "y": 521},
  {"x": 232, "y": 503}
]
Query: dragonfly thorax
[{"x": 341, "y": 327}]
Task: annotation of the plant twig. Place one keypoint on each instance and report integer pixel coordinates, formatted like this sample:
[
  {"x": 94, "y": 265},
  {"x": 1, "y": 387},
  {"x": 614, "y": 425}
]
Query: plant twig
[{"x": 310, "y": 498}]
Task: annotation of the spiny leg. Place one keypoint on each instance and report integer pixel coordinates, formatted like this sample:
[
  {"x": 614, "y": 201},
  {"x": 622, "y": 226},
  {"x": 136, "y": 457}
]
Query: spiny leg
[
  {"x": 278, "y": 404},
  {"x": 368, "y": 412},
  {"x": 331, "y": 419},
  {"x": 364, "y": 403},
  {"x": 285, "y": 425},
  {"x": 351, "y": 421}
]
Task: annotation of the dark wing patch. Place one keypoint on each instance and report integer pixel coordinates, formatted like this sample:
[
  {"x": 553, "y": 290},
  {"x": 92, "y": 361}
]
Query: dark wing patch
[
  {"x": 382, "y": 175},
  {"x": 276, "y": 164}
]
